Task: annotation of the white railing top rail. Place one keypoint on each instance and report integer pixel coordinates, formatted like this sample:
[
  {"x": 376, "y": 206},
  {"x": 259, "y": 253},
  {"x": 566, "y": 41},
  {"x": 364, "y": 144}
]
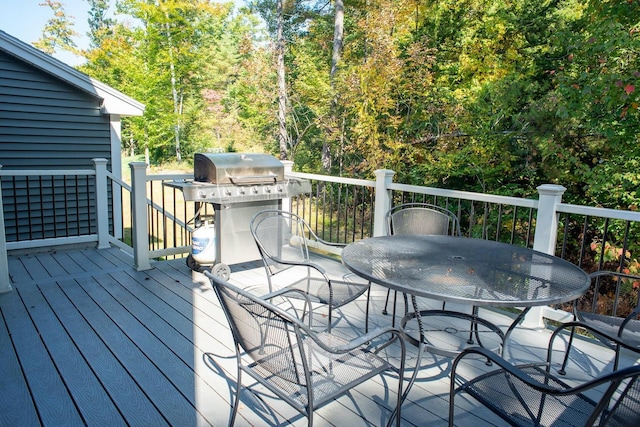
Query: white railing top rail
[
  {"x": 52, "y": 172},
  {"x": 465, "y": 195},
  {"x": 432, "y": 191},
  {"x": 593, "y": 211},
  {"x": 329, "y": 178}
]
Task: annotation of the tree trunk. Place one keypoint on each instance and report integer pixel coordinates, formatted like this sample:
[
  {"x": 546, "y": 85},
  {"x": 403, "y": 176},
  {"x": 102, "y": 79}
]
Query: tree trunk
[
  {"x": 338, "y": 35},
  {"x": 174, "y": 92},
  {"x": 282, "y": 87}
]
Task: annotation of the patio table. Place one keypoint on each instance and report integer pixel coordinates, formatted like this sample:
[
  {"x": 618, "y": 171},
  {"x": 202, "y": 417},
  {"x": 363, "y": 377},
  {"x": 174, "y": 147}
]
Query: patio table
[{"x": 479, "y": 273}]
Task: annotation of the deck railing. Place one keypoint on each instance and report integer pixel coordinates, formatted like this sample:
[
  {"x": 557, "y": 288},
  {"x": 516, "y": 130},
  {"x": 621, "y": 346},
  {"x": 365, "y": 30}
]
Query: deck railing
[{"x": 151, "y": 220}]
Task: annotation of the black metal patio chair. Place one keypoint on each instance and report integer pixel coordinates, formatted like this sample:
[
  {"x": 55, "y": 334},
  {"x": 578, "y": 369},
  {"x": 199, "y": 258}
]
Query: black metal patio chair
[
  {"x": 419, "y": 218},
  {"x": 293, "y": 253},
  {"x": 534, "y": 395},
  {"x": 305, "y": 368},
  {"x": 611, "y": 307}
]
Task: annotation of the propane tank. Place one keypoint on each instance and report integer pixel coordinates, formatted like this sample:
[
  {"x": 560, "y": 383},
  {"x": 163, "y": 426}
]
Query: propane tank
[{"x": 203, "y": 244}]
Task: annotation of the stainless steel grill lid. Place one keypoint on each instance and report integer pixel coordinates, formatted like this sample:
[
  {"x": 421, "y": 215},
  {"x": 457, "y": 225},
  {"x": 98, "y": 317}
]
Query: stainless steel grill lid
[{"x": 237, "y": 168}]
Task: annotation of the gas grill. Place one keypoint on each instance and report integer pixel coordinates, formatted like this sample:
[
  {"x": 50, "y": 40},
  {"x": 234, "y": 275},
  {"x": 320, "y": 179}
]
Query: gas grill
[
  {"x": 233, "y": 178},
  {"x": 238, "y": 186}
]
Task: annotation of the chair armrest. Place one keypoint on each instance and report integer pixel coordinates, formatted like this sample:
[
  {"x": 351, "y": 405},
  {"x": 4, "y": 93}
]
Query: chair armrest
[
  {"x": 634, "y": 314},
  {"x": 313, "y": 265},
  {"x": 512, "y": 369},
  {"x": 588, "y": 328},
  {"x": 360, "y": 341},
  {"x": 289, "y": 295},
  {"x": 612, "y": 378}
]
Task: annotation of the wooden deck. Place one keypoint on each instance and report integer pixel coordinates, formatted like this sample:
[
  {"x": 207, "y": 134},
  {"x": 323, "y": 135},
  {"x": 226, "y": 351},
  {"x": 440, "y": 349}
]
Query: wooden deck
[{"x": 85, "y": 339}]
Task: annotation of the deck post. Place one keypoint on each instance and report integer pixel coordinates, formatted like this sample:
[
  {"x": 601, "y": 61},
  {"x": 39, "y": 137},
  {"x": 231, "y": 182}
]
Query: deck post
[
  {"x": 5, "y": 281},
  {"x": 384, "y": 177},
  {"x": 102, "y": 205},
  {"x": 550, "y": 196},
  {"x": 140, "y": 232}
]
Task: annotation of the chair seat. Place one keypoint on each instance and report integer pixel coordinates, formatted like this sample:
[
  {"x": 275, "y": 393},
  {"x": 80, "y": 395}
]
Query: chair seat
[
  {"x": 611, "y": 325},
  {"x": 510, "y": 398},
  {"x": 330, "y": 374},
  {"x": 344, "y": 291}
]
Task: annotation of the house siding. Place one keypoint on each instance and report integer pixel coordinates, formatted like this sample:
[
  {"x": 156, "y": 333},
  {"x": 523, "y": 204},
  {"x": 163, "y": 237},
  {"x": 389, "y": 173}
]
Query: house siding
[{"x": 48, "y": 124}]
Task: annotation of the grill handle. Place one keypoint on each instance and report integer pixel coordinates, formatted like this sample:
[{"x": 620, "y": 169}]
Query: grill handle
[{"x": 253, "y": 179}]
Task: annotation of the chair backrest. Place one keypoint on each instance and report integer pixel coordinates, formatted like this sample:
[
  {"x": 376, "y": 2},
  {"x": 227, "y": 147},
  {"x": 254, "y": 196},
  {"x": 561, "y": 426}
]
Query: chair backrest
[
  {"x": 422, "y": 218},
  {"x": 612, "y": 294},
  {"x": 271, "y": 337},
  {"x": 281, "y": 237}
]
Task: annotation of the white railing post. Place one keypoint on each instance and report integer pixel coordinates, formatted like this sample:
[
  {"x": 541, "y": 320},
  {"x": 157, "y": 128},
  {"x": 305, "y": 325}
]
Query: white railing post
[
  {"x": 384, "y": 177},
  {"x": 5, "y": 281},
  {"x": 140, "y": 232},
  {"x": 545, "y": 237},
  {"x": 102, "y": 204},
  {"x": 550, "y": 196}
]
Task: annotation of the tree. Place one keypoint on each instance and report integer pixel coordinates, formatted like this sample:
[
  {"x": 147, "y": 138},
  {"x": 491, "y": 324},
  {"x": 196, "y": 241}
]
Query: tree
[
  {"x": 100, "y": 26},
  {"x": 58, "y": 32},
  {"x": 283, "y": 136}
]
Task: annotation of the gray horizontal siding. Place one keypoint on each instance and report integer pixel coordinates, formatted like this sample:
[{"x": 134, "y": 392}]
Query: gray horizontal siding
[{"x": 46, "y": 123}]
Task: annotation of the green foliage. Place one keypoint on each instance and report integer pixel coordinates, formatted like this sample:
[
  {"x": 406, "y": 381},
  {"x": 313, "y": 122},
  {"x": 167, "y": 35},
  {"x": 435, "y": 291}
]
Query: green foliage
[
  {"x": 58, "y": 32},
  {"x": 483, "y": 95}
]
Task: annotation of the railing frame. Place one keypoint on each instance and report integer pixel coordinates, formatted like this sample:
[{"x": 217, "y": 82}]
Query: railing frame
[{"x": 548, "y": 206}]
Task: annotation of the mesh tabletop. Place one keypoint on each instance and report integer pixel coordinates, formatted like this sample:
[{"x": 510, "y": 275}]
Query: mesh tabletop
[{"x": 459, "y": 269}]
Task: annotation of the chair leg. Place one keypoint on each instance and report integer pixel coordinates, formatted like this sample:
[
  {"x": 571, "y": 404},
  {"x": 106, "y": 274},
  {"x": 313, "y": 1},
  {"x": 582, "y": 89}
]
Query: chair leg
[
  {"x": 562, "y": 370},
  {"x": 366, "y": 314},
  {"x": 236, "y": 399},
  {"x": 386, "y": 303}
]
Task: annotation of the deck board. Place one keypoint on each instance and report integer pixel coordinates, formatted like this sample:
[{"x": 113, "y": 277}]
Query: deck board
[
  {"x": 16, "y": 405},
  {"x": 126, "y": 394},
  {"x": 142, "y": 355},
  {"x": 54, "y": 404},
  {"x": 71, "y": 264},
  {"x": 86, "y": 391},
  {"x": 88, "y": 340},
  {"x": 52, "y": 267}
]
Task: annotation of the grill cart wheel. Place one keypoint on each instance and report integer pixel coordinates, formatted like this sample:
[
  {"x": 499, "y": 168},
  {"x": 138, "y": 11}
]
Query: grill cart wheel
[
  {"x": 193, "y": 264},
  {"x": 221, "y": 270}
]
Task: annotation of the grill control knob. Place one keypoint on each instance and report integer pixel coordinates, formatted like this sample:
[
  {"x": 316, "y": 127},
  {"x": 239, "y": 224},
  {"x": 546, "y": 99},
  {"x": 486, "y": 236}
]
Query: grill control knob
[
  {"x": 279, "y": 189},
  {"x": 228, "y": 192},
  {"x": 267, "y": 189},
  {"x": 254, "y": 190}
]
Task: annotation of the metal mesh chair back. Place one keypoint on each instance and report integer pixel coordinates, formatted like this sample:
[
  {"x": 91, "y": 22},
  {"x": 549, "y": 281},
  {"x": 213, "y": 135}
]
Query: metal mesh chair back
[
  {"x": 302, "y": 367},
  {"x": 283, "y": 242},
  {"x": 264, "y": 335},
  {"x": 422, "y": 218},
  {"x": 281, "y": 238}
]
